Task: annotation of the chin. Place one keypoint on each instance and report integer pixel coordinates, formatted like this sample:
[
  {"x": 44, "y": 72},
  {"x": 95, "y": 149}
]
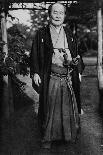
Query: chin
[{"x": 57, "y": 24}]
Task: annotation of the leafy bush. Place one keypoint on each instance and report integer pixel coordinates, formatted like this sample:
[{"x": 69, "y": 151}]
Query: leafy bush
[{"x": 17, "y": 60}]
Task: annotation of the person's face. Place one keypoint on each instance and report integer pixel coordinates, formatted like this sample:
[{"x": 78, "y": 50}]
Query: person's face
[{"x": 57, "y": 15}]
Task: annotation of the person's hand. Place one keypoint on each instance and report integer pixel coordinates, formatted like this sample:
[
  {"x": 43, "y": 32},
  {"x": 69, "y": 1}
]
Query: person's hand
[{"x": 37, "y": 79}]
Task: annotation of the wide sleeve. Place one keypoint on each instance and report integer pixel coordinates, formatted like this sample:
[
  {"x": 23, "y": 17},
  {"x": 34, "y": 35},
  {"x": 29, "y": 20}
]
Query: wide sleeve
[
  {"x": 81, "y": 65},
  {"x": 34, "y": 55}
]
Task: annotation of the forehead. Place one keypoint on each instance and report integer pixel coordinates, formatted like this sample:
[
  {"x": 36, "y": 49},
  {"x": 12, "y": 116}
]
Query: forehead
[{"x": 58, "y": 7}]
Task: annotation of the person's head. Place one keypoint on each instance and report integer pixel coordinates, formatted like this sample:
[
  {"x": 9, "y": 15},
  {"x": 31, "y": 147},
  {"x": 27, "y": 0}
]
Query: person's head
[{"x": 57, "y": 13}]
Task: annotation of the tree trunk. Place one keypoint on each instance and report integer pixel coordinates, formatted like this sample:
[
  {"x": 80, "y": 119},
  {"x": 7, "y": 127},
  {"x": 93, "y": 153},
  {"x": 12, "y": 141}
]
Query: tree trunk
[{"x": 7, "y": 103}]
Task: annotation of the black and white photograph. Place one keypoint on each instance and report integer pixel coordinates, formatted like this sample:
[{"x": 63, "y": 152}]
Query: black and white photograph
[{"x": 51, "y": 77}]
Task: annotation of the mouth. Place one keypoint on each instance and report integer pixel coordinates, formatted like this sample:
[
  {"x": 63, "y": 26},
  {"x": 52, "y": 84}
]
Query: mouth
[{"x": 57, "y": 20}]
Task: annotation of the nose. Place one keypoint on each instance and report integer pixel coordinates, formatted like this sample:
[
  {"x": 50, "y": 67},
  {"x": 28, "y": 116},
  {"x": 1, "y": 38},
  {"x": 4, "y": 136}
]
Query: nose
[{"x": 57, "y": 15}]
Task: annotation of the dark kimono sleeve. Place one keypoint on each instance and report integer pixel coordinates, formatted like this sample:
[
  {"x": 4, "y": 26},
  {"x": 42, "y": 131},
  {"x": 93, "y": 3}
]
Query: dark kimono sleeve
[
  {"x": 34, "y": 56},
  {"x": 81, "y": 65}
]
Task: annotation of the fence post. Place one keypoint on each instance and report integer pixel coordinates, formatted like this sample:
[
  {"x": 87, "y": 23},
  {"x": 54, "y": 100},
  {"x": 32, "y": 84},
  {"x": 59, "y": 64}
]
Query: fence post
[
  {"x": 100, "y": 40},
  {"x": 100, "y": 46}
]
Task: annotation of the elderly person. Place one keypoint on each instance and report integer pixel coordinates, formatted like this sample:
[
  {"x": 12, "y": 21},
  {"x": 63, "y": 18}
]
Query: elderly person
[{"x": 55, "y": 68}]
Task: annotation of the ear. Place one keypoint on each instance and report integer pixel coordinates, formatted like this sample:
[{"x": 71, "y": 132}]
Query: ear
[{"x": 64, "y": 17}]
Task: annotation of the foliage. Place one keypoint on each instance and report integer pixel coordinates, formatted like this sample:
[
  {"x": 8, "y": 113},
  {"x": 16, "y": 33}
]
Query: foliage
[
  {"x": 39, "y": 18},
  {"x": 87, "y": 39},
  {"x": 84, "y": 14},
  {"x": 17, "y": 61},
  {"x": 83, "y": 19}
]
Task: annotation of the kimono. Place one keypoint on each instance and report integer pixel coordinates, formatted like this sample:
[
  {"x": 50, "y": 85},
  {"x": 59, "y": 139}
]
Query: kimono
[{"x": 58, "y": 112}]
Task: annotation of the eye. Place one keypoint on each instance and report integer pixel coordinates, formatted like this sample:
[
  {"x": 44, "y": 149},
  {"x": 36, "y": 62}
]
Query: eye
[
  {"x": 55, "y": 12},
  {"x": 61, "y": 13}
]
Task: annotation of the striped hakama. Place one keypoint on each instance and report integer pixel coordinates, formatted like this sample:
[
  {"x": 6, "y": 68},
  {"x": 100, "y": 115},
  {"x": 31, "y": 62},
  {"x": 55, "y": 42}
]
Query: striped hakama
[{"x": 62, "y": 116}]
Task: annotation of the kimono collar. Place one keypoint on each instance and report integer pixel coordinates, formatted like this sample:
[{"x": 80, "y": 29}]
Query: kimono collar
[
  {"x": 56, "y": 29},
  {"x": 68, "y": 35}
]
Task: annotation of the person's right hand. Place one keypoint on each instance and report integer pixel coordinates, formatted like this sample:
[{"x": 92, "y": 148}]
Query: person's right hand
[{"x": 37, "y": 79}]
